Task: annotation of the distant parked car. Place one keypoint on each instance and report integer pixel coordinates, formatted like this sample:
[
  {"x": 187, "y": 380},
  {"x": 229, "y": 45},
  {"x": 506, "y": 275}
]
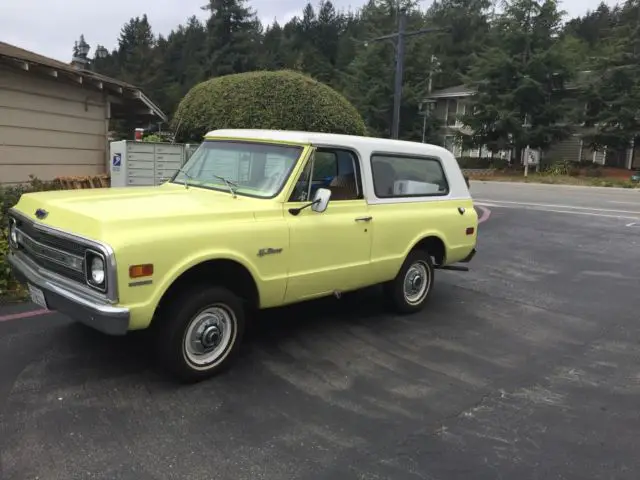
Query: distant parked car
[{"x": 635, "y": 176}]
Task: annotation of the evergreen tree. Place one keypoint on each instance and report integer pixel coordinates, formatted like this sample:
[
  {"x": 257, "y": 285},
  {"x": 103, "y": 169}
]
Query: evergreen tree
[
  {"x": 274, "y": 57},
  {"x": 182, "y": 56},
  {"x": 520, "y": 80},
  {"x": 469, "y": 24},
  {"x": 135, "y": 55},
  {"x": 233, "y": 38},
  {"x": 519, "y": 61},
  {"x": 612, "y": 91}
]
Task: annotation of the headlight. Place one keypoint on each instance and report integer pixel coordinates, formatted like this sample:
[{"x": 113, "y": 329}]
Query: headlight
[
  {"x": 13, "y": 233},
  {"x": 96, "y": 272}
]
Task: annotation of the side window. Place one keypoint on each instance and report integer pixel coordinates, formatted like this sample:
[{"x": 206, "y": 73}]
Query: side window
[
  {"x": 337, "y": 170},
  {"x": 406, "y": 176}
]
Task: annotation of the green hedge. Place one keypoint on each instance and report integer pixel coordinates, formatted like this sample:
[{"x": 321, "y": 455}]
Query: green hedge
[
  {"x": 282, "y": 100},
  {"x": 484, "y": 162},
  {"x": 9, "y": 196}
]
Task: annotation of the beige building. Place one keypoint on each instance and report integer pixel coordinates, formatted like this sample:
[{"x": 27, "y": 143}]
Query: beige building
[
  {"x": 450, "y": 104},
  {"x": 54, "y": 117}
]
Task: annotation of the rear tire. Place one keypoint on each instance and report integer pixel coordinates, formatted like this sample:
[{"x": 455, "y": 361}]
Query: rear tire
[
  {"x": 199, "y": 332},
  {"x": 411, "y": 289}
]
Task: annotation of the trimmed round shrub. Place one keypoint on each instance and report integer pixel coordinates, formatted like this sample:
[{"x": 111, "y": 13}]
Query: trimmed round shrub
[{"x": 280, "y": 100}]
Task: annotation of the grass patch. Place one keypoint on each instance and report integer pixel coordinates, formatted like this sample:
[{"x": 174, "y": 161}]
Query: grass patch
[{"x": 559, "y": 180}]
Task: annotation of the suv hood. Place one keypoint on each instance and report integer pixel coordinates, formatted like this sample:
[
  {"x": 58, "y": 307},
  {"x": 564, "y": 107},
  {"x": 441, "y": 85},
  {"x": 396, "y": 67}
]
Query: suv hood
[{"x": 92, "y": 211}]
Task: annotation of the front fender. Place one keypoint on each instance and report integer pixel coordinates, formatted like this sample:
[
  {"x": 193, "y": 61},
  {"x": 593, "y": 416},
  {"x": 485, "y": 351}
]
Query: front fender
[
  {"x": 147, "y": 297},
  {"x": 200, "y": 257}
]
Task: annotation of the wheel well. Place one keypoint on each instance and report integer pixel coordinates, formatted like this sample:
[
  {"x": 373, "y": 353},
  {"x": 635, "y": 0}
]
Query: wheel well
[
  {"x": 435, "y": 247},
  {"x": 224, "y": 273}
]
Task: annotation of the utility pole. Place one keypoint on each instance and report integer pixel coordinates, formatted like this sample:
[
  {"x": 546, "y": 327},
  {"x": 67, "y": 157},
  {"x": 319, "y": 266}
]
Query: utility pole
[
  {"x": 397, "y": 87},
  {"x": 399, "y": 38},
  {"x": 433, "y": 65}
]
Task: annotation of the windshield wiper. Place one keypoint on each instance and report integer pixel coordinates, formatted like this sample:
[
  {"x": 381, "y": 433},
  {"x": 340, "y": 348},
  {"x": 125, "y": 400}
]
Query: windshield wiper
[
  {"x": 186, "y": 176},
  {"x": 229, "y": 184}
]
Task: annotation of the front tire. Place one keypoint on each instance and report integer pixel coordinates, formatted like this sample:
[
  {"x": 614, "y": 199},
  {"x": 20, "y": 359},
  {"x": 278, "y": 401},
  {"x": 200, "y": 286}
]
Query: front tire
[
  {"x": 200, "y": 333},
  {"x": 410, "y": 290}
]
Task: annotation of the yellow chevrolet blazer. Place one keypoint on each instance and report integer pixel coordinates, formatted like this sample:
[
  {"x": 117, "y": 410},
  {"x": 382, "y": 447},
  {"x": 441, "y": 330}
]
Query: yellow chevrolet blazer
[{"x": 255, "y": 219}]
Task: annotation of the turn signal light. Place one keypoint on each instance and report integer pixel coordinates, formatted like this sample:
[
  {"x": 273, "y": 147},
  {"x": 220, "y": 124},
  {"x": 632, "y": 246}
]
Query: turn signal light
[
  {"x": 138, "y": 271},
  {"x": 470, "y": 230}
]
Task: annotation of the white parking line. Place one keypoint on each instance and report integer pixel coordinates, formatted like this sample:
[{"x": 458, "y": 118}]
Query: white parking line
[
  {"x": 525, "y": 206},
  {"x": 549, "y": 205}
]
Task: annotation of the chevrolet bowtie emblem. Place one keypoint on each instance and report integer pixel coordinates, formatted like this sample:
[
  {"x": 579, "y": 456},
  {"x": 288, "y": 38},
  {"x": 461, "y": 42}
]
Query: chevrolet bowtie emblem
[{"x": 41, "y": 213}]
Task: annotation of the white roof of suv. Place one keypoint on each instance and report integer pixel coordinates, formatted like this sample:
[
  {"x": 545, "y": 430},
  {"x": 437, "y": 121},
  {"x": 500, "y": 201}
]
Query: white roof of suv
[
  {"x": 365, "y": 146},
  {"x": 333, "y": 139}
]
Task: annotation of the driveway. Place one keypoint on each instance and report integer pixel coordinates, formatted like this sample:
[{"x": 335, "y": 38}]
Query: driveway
[{"x": 528, "y": 366}]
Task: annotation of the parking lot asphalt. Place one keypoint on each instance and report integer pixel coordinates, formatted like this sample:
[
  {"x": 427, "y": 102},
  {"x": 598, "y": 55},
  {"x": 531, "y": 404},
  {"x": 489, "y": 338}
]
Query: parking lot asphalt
[{"x": 528, "y": 366}]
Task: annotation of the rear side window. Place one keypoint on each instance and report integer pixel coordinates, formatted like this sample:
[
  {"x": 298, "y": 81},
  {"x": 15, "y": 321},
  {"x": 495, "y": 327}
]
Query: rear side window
[{"x": 407, "y": 176}]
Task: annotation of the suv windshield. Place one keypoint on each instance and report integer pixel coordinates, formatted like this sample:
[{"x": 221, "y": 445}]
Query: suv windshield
[{"x": 253, "y": 169}]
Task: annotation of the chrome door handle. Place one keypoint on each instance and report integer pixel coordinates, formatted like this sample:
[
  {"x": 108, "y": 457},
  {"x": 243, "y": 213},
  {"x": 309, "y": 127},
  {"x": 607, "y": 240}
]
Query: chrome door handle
[{"x": 364, "y": 219}]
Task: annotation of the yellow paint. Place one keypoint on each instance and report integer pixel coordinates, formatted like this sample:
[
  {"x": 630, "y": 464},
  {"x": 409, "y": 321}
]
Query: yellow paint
[{"x": 175, "y": 228}]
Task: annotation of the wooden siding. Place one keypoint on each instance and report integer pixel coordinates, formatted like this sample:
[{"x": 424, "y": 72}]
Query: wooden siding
[
  {"x": 566, "y": 150},
  {"x": 49, "y": 128}
]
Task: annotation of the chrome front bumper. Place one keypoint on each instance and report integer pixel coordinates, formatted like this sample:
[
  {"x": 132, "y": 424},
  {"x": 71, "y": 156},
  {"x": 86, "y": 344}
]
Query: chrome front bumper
[{"x": 76, "y": 304}]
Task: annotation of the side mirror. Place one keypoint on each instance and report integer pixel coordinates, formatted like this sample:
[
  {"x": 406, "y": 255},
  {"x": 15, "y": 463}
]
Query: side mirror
[{"x": 321, "y": 200}]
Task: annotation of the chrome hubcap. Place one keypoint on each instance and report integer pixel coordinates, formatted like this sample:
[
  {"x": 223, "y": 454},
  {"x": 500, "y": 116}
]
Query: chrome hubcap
[
  {"x": 417, "y": 282},
  {"x": 209, "y": 335}
]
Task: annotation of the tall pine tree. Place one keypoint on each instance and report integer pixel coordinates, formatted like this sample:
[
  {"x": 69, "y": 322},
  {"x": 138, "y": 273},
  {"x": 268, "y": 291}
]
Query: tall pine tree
[
  {"x": 612, "y": 91},
  {"x": 520, "y": 81},
  {"x": 233, "y": 38}
]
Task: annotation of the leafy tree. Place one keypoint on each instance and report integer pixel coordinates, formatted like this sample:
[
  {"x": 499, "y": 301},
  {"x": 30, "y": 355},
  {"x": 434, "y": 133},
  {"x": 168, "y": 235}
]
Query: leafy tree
[
  {"x": 520, "y": 80},
  {"x": 612, "y": 91}
]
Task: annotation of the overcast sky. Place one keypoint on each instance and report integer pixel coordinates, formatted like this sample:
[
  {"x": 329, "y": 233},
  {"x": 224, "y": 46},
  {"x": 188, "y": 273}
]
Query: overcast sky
[{"x": 51, "y": 27}]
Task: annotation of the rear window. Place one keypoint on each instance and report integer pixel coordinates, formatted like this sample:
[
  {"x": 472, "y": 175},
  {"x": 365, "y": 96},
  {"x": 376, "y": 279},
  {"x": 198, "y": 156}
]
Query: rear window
[{"x": 408, "y": 176}]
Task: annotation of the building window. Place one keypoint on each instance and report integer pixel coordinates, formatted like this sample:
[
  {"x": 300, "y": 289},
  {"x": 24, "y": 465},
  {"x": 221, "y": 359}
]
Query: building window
[
  {"x": 451, "y": 143},
  {"x": 407, "y": 176},
  {"x": 456, "y": 109},
  {"x": 461, "y": 110},
  {"x": 452, "y": 109}
]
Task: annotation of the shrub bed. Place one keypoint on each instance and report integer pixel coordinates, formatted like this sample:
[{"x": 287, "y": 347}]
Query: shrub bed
[{"x": 9, "y": 196}]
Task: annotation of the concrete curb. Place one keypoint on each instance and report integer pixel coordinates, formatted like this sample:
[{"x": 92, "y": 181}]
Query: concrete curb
[{"x": 552, "y": 185}]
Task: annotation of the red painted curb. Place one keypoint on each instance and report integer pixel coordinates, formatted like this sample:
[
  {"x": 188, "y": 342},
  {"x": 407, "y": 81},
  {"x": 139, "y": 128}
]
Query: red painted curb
[{"x": 29, "y": 314}]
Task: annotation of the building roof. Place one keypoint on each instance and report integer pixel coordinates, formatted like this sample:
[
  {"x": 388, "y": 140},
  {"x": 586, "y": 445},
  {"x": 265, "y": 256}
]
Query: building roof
[
  {"x": 453, "y": 92},
  {"x": 38, "y": 64}
]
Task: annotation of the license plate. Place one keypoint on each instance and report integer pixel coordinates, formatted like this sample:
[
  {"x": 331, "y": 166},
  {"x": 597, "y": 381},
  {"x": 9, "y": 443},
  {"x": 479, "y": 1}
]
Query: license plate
[{"x": 37, "y": 296}]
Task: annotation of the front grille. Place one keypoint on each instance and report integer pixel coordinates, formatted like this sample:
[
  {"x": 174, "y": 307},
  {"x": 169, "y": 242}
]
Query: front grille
[
  {"x": 50, "y": 240},
  {"x": 52, "y": 252}
]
